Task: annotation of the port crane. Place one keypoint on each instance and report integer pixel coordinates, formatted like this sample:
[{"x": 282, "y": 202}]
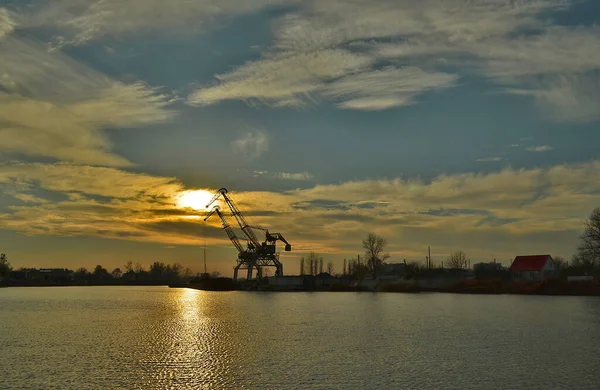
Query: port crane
[{"x": 256, "y": 254}]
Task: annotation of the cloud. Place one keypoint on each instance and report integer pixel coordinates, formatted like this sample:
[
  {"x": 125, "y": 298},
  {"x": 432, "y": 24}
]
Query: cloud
[
  {"x": 293, "y": 176},
  {"x": 296, "y": 79},
  {"x": 386, "y": 88},
  {"x": 541, "y": 148},
  {"x": 97, "y": 201},
  {"x": 513, "y": 44},
  {"x": 534, "y": 208},
  {"x": 489, "y": 159},
  {"x": 284, "y": 79},
  {"x": 566, "y": 98},
  {"x": 7, "y": 22},
  {"x": 53, "y": 106},
  {"x": 90, "y": 180},
  {"x": 252, "y": 144},
  {"x": 79, "y": 22}
]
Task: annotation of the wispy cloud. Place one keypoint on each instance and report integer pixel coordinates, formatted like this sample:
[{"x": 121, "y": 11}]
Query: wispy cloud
[
  {"x": 79, "y": 22},
  {"x": 7, "y": 23},
  {"x": 56, "y": 107},
  {"x": 386, "y": 88},
  {"x": 252, "y": 144},
  {"x": 285, "y": 79},
  {"x": 421, "y": 36},
  {"x": 540, "y": 148},
  {"x": 293, "y": 176},
  {"x": 566, "y": 98},
  {"x": 489, "y": 159}
]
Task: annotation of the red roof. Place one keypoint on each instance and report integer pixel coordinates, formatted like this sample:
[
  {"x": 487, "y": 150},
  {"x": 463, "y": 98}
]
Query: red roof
[{"x": 529, "y": 263}]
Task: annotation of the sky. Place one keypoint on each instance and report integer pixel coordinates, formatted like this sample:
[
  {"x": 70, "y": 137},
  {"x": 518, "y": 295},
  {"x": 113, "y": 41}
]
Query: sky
[{"x": 458, "y": 124}]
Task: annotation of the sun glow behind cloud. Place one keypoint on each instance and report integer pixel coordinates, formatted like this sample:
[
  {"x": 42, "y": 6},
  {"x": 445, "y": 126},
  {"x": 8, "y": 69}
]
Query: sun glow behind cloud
[{"x": 194, "y": 199}]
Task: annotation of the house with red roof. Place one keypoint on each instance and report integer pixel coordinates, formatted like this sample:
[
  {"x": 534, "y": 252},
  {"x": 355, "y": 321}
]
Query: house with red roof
[{"x": 533, "y": 267}]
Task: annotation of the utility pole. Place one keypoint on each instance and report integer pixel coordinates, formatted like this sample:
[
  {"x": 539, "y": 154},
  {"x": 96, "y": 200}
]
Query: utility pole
[{"x": 429, "y": 256}]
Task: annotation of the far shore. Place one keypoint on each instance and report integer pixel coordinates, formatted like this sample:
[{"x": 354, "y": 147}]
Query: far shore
[{"x": 553, "y": 287}]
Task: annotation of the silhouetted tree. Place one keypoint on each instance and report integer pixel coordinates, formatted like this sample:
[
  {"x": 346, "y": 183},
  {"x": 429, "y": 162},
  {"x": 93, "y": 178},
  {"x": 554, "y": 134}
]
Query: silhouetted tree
[
  {"x": 116, "y": 273},
  {"x": 345, "y": 267},
  {"x": 374, "y": 246},
  {"x": 313, "y": 260},
  {"x": 588, "y": 252},
  {"x": 320, "y": 265},
  {"x": 560, "y": 262},
  {"x": 359, "y": 270},
  {"x": 100, "y": 274},
  {"x": 302, "y": 266},
  {"x": 81, "y": 273},
  {"x": 138, "y": 268},
  {"x": 157, "y": 269},
  {"x": 128, "y": 267},
  {"x": 457, "y": 260},
  {"x": 330, "y": 268},
  {"x": 4, "y": 265}
]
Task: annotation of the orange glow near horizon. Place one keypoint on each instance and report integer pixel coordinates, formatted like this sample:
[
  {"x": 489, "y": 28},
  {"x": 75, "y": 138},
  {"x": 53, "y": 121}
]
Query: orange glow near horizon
[{"x": 194, "y": 199}]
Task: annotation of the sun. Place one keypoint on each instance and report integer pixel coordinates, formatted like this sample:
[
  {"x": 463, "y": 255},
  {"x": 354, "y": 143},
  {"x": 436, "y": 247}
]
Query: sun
[{"x": 195, "y": 199}]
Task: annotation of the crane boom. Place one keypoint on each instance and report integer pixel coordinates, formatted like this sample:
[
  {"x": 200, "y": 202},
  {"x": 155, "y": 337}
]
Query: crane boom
[
  {"x": 227, "y": 227},
  {"x": 256, "y": 255},
  {"x": 246, "y": 228}
]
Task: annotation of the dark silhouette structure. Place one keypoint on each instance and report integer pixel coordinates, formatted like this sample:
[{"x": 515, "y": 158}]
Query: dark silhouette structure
[{"x": 256, "y": 254}]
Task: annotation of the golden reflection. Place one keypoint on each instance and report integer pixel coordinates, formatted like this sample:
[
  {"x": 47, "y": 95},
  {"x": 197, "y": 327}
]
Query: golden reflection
[
  {"x": 195, "y": 199},
  {"x": 201, "y": 348}
]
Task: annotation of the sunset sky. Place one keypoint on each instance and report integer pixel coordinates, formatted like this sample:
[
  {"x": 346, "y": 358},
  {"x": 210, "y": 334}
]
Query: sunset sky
[{"x": 467, "y": 125}]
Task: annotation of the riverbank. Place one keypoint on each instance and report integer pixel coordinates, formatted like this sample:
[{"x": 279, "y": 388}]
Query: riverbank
[{"x": 554, "y": 287}]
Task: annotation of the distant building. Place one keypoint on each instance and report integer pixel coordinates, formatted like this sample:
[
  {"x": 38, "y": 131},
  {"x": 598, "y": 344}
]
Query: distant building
[
  {"x": 58, "y": 275},
  {"x": 491, "y": 270},
  {"x": 536, "y": 267},
  {"x": 398, "y": 269},
  {"x": 324, "y": 279},
  {"x": 389, "y": 271}
]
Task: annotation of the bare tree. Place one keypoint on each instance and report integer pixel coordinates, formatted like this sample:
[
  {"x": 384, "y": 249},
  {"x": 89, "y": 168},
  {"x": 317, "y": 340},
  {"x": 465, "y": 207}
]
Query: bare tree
[
  {"x": 374, "y": 246},
  {"x": 320, "y": 265},
  {"x": 345, "y": 267},
  {"x": 302, "y": 266},
  {"x": 313, "y": 261},
  {"x": 330, "y": 268},
  {"x": 128, "y": 267},
  {"x": 138, "y": 268},
  {"x": 588, "y": 252},
  {"x": 560, "y": 262},
  {"x": 457, "y": 260}
]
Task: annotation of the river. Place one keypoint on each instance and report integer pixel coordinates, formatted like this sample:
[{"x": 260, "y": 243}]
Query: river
[{"x": 161, "y": 338}]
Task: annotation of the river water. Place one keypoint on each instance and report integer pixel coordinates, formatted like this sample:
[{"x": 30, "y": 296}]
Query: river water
[{"x": 161, "y": 338}]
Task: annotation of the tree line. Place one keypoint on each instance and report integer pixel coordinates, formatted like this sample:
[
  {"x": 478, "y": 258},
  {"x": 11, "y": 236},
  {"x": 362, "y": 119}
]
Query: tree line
[
  {"x": 586, "y": 259},
  {"x": 157, "y": 273},
  {"x": 373, "y": 260}
]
